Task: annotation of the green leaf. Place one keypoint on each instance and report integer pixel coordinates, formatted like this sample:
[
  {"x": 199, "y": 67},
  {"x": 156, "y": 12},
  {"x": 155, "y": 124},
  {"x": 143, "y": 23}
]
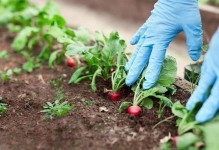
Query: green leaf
[
  {"x": 59, "y": 20},
  {"x": 4, "y": 54},
  {"x": 51, "y": 8},
  {"x": 99, "y": 36},
  {"x": 188, "y": 122},
  {"x": 30, "y": 65},
  {"x": 83, "y": 78},
  {"x": 32, "y": 41},
  {"x": 28, "y": 13},
  {"x": 113, "y": 46},
  {"x": 6, "y": 76},
  {"x": 21, "y": 39},
  {"x": 161, "y": 89},
  {"x": 25, "y": 54},
  {"x": 53, "y": 58},
  {"x": 147, "y": 93},
  {"x": 124, "y": 106},
  {"x": 5, "y": 17},
  {"x": 17, "y": 70},
  {"x": 13, "y": 28},
  {"x": 166, "y": 101},
  {"x": 168, "y": 72},
  {"x": 93, "y": 82},
  {"x": 147, "y": 103},
  {"x": 44, "y": 54},
  {"x": 179, "y": 110},
  {"x": 59, "y": 34},
  {"x": 74, "y": 49},
  {"x": 77, "y": 74},
  {"x": 186, "y": 140},
  {"x": 82, "y": 35},
  {"x": 172, "y": 89},
  {"x": 211, "y": 132},
  {"x": 166, "y": 146},
  {"x": 49, "y": 104},
  {"x": 70, "y": 32}
]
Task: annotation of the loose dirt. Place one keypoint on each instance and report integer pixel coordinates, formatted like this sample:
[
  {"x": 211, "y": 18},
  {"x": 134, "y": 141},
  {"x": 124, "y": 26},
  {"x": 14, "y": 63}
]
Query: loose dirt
[{"x": 24, "y": 127}]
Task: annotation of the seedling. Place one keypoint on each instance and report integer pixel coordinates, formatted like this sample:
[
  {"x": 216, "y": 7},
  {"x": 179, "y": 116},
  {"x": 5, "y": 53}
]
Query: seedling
[
  {"x": 17, "y": 70},
  {"x": 192, "y": 74},
  {"x": 99, "y": 58},
  {"x": 3, "y": 107},
  {"x": 88, "y": 103},
  {"x": 6, "y": 76},
  {"x": 192, "y": 135},
  {"x": 56, "y": 82},
  {"x": 165, "y": 81},
  {"x": 30, "y": 65},
  {"x": 58, "y": 108},
  {"x": 4, "y": 54},
  {"x": 118, "y": 78}
]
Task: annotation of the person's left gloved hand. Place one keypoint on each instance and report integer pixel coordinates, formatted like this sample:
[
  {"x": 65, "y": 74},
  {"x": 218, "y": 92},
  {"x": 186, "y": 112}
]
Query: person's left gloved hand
[
  {"x": 209, "y": 77},
  {"x": 168, "y": 18}
]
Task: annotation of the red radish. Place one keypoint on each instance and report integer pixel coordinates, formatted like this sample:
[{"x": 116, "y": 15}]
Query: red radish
[
  {"x": 134, "y": 110},
  {"x": 115, "y": 96},
  {"x": 71, "y": 62},
  {"x": 174, "y": 141}
]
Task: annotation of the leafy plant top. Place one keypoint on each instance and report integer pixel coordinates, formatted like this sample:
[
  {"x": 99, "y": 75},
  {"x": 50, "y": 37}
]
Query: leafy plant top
[{"x": 163, "y": 85}]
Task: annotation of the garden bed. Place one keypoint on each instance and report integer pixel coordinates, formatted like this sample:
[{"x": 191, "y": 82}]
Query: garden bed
[{"x": 94, "y": 123}]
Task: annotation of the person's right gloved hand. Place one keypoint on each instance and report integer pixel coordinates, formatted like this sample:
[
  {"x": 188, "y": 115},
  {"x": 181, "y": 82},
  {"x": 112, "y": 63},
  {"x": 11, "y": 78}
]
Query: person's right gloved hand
[
  {"x": 209, "y": 77},
  {"x": 168, "y": 18}
]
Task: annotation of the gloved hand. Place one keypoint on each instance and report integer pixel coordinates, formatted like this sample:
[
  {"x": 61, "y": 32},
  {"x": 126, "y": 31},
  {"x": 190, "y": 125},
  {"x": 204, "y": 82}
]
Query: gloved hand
[
  {"x": 168, "y": 18},
  {"x": 209, "y": 77}
]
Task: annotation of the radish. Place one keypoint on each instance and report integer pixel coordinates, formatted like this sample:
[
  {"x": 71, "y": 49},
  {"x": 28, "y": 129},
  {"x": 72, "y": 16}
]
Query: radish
[
  {"x": 174, "y": 141},
  {"x": 115, "y": 96},
  {"x": 70, "y": 62},
  {"x": 134, "y": 110}
]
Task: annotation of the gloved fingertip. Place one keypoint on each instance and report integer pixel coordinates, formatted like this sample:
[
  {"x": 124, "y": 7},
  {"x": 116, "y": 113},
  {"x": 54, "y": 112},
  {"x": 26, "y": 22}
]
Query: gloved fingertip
[
  {"x": 189, "y": 106},
  {"x": 191, "y": 103},
  {"x": 128, "y": 82},
  {"x": 195, "y": 55},
  {"x": 200, "y": 119},
  {"x": 127, "y": 67},
  {"x": 147, "y": 85},
  {"x": 202, "y": 116},
  {"x": 134, "y": 40},
  {"x": 206, "y": 113}
]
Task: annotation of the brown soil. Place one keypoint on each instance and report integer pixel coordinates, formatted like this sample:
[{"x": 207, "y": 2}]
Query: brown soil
[{"x": 24, "y": 127}]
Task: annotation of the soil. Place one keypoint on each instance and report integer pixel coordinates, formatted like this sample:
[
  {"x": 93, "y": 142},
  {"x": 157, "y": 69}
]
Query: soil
[{"x": 24, "y": 127}]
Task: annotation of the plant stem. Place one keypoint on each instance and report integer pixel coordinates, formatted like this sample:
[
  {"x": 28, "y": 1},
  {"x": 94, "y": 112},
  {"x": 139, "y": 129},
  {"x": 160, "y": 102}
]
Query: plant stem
[{"x": 165, "y": 120}]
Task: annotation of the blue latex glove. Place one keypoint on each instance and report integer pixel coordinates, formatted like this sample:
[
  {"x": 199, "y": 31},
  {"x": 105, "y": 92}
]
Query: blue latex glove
[
  {"x": 168, "y": 18},
  {"x": 209, "y": 77}
]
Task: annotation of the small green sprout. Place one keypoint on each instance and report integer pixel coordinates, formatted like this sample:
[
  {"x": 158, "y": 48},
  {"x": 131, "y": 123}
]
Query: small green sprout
[
  {"x": 6, "y": 76},
  {"x": 4, "y": 54},
  {"x": 3, "y": 107},
  {"x": 56, "y": 109},
  {"x": 88, "y": 103}
]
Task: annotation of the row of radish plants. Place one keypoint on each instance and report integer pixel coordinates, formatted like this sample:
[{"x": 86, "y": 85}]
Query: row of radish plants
[{"x": 95, "y": 56}]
